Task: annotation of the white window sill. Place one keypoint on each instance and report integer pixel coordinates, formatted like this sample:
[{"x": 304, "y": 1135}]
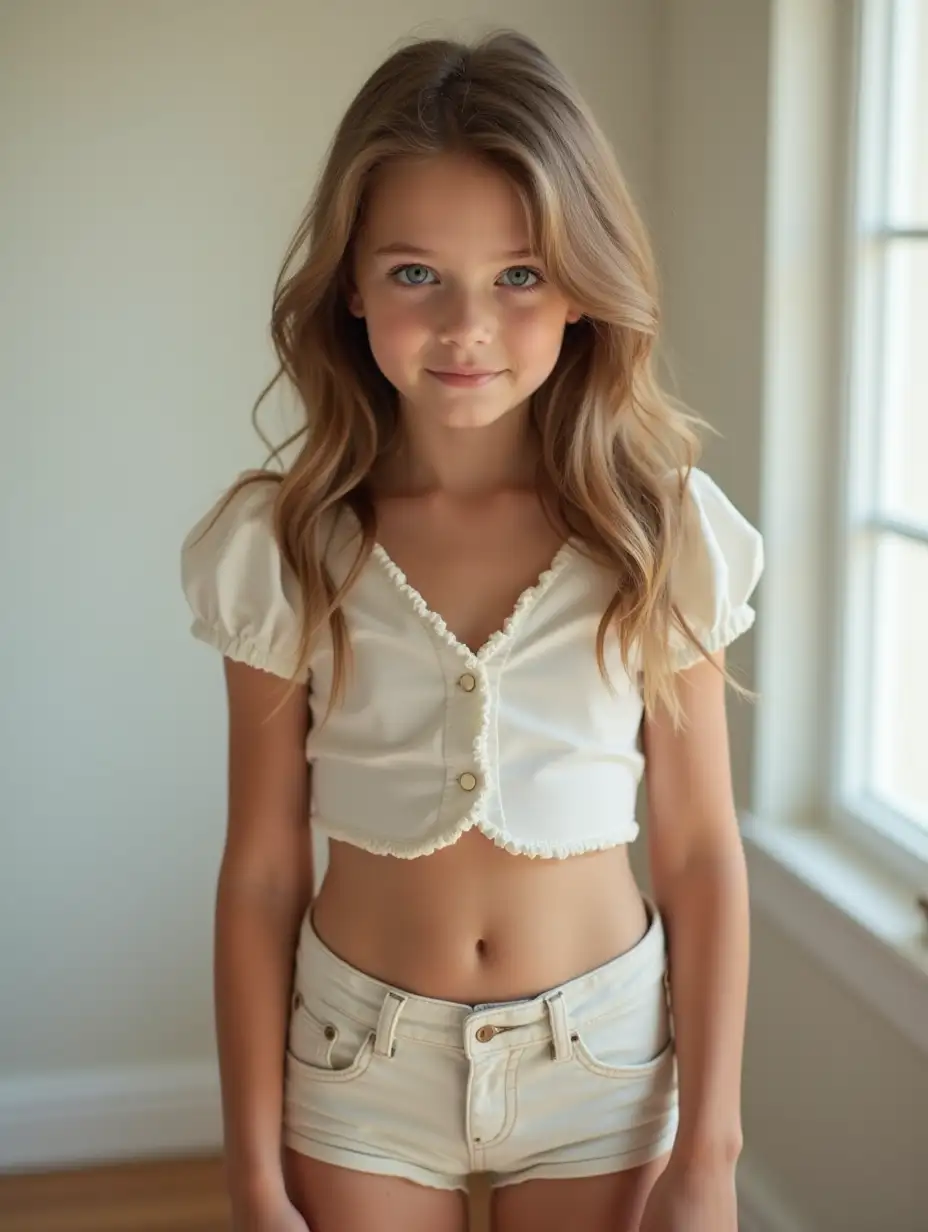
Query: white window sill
[{"x": 863, "y": 926}]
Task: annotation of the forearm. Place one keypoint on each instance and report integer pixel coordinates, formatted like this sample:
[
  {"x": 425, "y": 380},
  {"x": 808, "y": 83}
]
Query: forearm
[
  {"x": 705, "y": 906},
  {"x": 255, "y": 940}
]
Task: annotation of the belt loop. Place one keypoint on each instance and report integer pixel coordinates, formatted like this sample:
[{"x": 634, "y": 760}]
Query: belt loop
[
  {"x": 561, "y": 1046},
  {"x": 385, "y": 1039},
  {"x": 668, "y": 987},
  {"x": 668, "y": 1003}
]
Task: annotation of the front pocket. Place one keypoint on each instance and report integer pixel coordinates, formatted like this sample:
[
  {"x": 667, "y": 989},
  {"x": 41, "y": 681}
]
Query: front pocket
[
  {"x": 329, "y": 1046},
  {"x": 627, "y": 1072}
]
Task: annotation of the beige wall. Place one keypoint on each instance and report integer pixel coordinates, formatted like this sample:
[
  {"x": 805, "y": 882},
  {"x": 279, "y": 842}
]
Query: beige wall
[{"x": 160, "y": 152}]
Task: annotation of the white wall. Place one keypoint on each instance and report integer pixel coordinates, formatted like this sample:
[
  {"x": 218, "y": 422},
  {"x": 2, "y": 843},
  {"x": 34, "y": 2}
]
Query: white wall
[{"x": 156, "y": 155}]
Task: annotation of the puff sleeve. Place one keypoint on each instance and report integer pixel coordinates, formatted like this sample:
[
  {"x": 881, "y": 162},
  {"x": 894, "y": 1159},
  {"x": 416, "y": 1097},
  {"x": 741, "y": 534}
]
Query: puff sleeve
[
  {"x": 244, "y": 599},
  {"x": 716, "y": 572}
]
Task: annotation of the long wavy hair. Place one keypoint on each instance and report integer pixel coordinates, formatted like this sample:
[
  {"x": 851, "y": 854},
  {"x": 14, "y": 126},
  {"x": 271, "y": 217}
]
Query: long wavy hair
[{"x": 615, "y": 450}]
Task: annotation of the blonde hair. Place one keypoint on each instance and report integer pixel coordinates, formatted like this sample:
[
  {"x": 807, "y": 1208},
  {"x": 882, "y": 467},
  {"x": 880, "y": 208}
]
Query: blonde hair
[{"x": 609, "y": 437}]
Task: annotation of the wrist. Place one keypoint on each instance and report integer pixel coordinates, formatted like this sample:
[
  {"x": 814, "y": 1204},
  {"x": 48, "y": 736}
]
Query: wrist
[
  {"x": 706, "y": 1152},
  {"x": 256, "y": 1186}
]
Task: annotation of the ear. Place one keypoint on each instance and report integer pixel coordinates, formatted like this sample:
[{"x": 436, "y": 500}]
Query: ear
[
  {"x": 573, "y": 315},
  {"x": 349, "y": 288},
  {"x": 355, "y": 303}
]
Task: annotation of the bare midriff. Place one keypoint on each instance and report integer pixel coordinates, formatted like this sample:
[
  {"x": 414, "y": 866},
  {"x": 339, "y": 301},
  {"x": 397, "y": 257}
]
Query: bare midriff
[{"x": 474, "y": 923}]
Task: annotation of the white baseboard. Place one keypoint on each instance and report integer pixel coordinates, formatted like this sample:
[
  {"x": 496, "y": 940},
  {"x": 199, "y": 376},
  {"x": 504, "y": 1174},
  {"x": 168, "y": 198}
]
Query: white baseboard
[
  {"x": 103, "y": 1115},
  {"x": 760, "y": 1207}
]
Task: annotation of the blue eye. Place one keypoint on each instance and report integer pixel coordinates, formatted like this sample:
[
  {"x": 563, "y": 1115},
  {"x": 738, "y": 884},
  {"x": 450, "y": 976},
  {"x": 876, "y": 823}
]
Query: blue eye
[
  {"x": 412, "y": 275},
  {"x": 522, "y": 278}
]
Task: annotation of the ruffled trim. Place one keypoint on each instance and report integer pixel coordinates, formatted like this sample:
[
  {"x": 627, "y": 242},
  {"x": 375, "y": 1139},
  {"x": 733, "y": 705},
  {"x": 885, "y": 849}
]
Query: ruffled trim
[
  {"x": 244, "y": 649},
  {"x": 738, "y": 622},
  {"x": 412, "y": 850},
  {"x": 525, "y": 602},
  {"x": 560, "y": 851}
]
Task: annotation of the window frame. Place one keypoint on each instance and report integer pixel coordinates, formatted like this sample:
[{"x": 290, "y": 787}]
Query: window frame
[
  {"x": 841, "y": 891},
  {"x": 899, "y": 842}
]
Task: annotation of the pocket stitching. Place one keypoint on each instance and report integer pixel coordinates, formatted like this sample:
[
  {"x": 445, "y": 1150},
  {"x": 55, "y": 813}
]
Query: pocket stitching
[
  {"x": 299, "y": 1006},
  {"x": 359, "y": 1065},
  {"x": 620, "y": 1072}
]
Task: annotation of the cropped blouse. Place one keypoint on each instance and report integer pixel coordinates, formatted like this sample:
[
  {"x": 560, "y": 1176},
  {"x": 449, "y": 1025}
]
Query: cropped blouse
[{"x": 522, "y": 739}]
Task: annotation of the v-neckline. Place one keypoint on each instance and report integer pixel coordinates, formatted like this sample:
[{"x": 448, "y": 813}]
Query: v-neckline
[{"x": 523, "y": 604}]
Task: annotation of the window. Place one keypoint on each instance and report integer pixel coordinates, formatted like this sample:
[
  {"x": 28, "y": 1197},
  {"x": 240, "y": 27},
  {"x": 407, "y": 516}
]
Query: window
[
  {"x": 882, "y": 764},
  {"x": 837, "y": 836}
]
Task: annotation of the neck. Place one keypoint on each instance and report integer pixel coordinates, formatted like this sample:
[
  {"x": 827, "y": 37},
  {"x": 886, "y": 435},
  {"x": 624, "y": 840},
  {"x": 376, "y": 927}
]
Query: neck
[{"x": 467, "y": 462}]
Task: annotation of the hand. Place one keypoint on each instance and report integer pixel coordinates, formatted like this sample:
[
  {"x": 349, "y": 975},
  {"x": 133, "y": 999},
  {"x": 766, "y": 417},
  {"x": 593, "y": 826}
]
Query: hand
[
  {"x": 692, "y": 1199},
  {"x": 277, "y": 1214}
]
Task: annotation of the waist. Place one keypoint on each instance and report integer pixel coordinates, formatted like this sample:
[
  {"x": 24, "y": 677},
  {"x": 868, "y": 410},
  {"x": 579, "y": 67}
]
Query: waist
[
  {"x": 439, "y": 1020},
  {"x": 473, "y": 923}
]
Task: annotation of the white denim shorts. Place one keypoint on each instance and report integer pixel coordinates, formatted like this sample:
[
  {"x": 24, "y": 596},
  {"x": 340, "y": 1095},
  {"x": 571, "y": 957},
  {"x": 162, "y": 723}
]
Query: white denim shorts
[{"x": 578, "y": 1081}]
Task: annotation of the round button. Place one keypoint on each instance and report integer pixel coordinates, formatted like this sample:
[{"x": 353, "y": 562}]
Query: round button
[
  {"x": 467, "y": 781},
  {"x": 484, "y": 1034},
  {"x": 330, "y": 1032},
  {"x": 468, "y": 682}
]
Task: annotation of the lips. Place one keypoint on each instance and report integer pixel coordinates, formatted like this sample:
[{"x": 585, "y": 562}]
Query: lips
[
  {"x": 464, "y": 371},
  {"x": 467, "y": 378}
]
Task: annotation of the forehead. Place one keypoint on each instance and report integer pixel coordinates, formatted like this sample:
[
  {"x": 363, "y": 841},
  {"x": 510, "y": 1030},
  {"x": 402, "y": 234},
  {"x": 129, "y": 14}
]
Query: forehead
[{"x": 445, "y": 203}]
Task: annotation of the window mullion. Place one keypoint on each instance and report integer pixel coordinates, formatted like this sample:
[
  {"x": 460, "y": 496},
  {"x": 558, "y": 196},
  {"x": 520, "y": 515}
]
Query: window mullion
[
  {"x": 882, "y": 525},
  {"x": 888, "y": 233}
]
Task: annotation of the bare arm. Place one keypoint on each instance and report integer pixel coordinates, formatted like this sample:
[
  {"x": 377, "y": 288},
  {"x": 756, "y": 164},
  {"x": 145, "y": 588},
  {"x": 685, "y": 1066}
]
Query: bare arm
[
  {"x": 700, "y": 884},
  {"x": 265, "y": 884}
]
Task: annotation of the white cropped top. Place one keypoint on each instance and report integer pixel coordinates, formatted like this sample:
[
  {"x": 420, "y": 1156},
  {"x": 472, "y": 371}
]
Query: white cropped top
[{"x": 522, "y": 739}]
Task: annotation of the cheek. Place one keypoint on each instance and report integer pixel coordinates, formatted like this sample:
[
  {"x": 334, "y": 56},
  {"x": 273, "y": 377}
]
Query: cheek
[
  {"x": 535, "y": 334},
  {"x": 396, "y": 330}
]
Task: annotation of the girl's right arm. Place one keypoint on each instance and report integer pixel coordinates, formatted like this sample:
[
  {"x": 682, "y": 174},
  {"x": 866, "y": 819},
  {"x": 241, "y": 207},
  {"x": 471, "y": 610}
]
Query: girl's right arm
[{"x": 265, "y": 885}]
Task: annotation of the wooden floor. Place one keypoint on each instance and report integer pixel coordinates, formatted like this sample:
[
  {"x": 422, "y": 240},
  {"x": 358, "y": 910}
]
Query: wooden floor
[{"x": 173, "y": 1196}]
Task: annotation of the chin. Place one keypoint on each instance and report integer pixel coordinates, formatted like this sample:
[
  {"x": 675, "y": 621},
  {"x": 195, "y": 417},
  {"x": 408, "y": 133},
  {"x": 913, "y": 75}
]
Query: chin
[
  {"x": 472, "y": 416},
  {"x": 462, "y": 409},
  {"x": 473, "y": 419}
]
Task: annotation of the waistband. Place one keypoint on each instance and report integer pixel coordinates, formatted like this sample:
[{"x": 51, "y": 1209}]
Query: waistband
[{"x": 394, "y": 1013}]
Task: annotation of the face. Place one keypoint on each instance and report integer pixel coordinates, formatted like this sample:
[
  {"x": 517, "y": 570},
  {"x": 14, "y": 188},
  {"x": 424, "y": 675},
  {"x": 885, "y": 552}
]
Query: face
[{"x": 460, "y": 315}]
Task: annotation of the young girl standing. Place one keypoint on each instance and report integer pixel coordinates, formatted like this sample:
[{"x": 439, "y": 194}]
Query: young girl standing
[{"x": 489, "y": 596}]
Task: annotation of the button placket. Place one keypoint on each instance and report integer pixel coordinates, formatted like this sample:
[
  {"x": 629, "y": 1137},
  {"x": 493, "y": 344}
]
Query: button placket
[{"x": 468, "y": 682}]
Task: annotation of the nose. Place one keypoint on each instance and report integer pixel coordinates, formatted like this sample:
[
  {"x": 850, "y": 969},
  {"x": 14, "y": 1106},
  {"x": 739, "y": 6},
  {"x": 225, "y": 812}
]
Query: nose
[{"x": 468, "y": 319}]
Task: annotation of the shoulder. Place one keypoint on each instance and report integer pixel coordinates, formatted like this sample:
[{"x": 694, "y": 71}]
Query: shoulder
[
  {"x": 234, "y": 536},
  {"x": 244, "y": 598},
  {"x": 247, "y": 503},
  {"x": 717, "y": 566}
]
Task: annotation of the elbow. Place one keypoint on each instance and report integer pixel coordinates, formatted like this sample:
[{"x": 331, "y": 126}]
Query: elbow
[
  {"x": 281, "y": 882},
  {"x": 717, "y": 855}
]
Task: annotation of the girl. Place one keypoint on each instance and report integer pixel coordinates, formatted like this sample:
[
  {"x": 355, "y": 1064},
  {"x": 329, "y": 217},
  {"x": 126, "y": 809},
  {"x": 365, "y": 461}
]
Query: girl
[{"x": 489, "y": 594}]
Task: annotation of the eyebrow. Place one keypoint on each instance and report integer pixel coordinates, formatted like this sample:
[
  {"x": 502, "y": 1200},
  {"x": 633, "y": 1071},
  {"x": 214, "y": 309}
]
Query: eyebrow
[{"x": 410, "y": 250}]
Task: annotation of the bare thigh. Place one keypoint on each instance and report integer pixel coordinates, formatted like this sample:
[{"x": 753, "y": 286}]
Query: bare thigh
[
  {"x": 612, "y": 1203},
  {"x": 333, "y": 1199}
]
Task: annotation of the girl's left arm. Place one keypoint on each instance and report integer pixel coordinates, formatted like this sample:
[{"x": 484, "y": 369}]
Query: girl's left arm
[{"x": 700, "y": 886}]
